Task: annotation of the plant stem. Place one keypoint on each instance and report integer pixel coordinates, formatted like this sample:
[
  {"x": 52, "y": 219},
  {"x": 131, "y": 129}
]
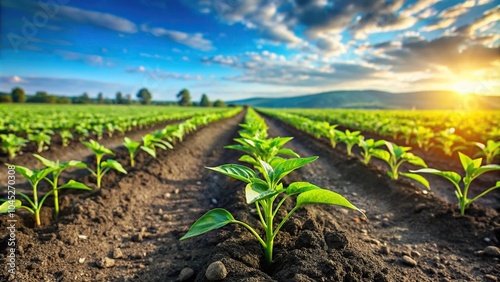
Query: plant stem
[
  {"x": 269, "y": 232},
  {"x": 98, "y": 171}
]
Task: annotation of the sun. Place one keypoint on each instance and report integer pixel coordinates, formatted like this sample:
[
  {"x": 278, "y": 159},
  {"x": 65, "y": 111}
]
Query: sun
[{"x": 465, "y": 87}]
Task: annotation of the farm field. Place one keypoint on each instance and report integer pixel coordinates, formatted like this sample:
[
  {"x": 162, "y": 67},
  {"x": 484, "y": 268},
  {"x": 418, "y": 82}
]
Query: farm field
[{"x": 129, "y": 228}]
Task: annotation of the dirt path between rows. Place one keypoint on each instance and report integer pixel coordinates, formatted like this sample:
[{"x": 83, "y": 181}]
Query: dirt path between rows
[{"x": 130, "y": 229}]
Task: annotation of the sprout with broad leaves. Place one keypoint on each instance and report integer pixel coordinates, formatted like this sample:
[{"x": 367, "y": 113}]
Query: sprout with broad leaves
[
  {"x": 35, "y": 205},
  {"x": 370, "y": 147},
  {"x": 12, "y": 144},
  {"x": 263, "y": 190},
  {"x": 473, "y": 169},
  {"x": 57, "y": 168},
  {"x": 489, "y": 151},
  {"x": 102, "y": 167},
  {"x": 395, "y": 156}
]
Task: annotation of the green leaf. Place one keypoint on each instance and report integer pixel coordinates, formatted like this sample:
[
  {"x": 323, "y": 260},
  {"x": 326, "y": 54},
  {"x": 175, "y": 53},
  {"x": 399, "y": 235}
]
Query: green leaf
[
  {"x": 26, "y": 172},
  {"x": 288, "y": 152},
  {"x": 148, "y": 150},
  {"x": 450, "y": 175},
  {"x": 4, "y": 208},
  {"x": 464, "y": 160},
  {"x": 300, "y": 187},
  {"x": 114, "y": 165},
  {"x": 416, "y": 160},
  {"x": 74, "y": 185},
  {"x": 323, "y": 196},
  {"x": 267, "y": 170},
  {"x": 248, "y": 159},
  {"x": 284, "y": 168},
  {"x": 485, "y": 168},
  {"x": 382, "y": 154},
  {"x": 419, "y": 178},
  {"x": 239, "y": 172},
  {"x": 213, "y": 219},
  {"x": 256, "y": 192},
  {"x": 44, "y": 161}
]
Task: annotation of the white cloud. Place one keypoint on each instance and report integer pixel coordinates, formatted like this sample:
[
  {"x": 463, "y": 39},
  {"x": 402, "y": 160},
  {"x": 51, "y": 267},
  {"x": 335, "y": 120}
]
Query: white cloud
[{"x": 193, "y": 40}]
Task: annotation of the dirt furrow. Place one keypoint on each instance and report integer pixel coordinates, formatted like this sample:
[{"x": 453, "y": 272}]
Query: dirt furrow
[{"x": 130, "y": 231}]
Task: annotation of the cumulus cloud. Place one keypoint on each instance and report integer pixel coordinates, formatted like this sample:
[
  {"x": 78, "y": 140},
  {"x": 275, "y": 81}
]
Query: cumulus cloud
[
  {"x": 193, "y": 40},
  {"x": 487, "y": 18}
]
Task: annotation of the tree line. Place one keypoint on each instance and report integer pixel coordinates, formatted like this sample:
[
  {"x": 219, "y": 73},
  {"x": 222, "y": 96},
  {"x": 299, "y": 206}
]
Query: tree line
[{"x": 143, "y": 96}]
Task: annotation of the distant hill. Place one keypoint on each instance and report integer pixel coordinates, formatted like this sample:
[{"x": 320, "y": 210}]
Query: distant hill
[{"x": 372, "y": 99}]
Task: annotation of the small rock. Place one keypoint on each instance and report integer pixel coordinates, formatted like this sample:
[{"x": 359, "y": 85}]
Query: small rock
[
  {"x": 117, "y": 253},
  {"x": 105, "y": 262},
  {"x": 408, "y": 261},
  {"x": 385, "y": 250},
  {"x": 492, "y": 251},
  {"x": 420, "y": 207},
  {"x": 137, "y": 237},
  {"x": 176, "y": 191},
  {"x": 185, "y": 274},
  {"x": 354, "y": 194},
  {"x": 216, "y": 271},
  {"x": 491, "y": 277},
  {"x": 415, "y": 254},
  {"x": 198, "y": 182},
  {"x": 83, "y": 237},
  {"x": 214, "y": 201},
  {"x": 167, "y": 195},
  {"x": 81, "y": 260},
  {"x": 160, "y": 212},
  {"x": 487, "y": 240},
  {"x": 364, "y": 231}
]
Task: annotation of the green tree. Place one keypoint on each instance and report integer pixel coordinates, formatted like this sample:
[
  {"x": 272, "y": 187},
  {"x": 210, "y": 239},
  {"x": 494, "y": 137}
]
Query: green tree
[
  {"x": 219, "y": 104},
  {"x": 100, "y": 98},
  {"x": 128, "y": 100},
  {"x": 63, "y": 100},
  {"x": 185, "y": 97},
  {"x": 43, "y": 97},
  {"x": 119, "y": 98},
  {"x": 144, "y": 96},
  {"x": 18, "y": 95},
  {"x": 84, "y": 99},
  {"x": 205, "y": 102}
]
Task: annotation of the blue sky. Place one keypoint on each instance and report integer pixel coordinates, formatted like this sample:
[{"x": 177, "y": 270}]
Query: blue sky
[{"x": 232, "y": 49}]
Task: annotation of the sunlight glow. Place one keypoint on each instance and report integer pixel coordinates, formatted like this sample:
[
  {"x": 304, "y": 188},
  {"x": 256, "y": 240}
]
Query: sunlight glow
[{"x": 465, "y": 87}]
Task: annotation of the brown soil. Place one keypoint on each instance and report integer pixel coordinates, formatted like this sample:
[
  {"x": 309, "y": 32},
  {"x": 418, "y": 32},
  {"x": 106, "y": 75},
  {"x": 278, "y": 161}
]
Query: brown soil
[{"x": 144, "y": 213}]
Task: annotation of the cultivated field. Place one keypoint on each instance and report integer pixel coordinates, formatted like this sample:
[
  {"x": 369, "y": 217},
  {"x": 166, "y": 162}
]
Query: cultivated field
[{"x": 131, "y": 198}]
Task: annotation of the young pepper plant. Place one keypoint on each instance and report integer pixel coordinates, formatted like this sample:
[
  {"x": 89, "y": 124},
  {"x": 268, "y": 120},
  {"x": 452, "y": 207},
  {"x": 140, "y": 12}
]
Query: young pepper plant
[
  {"x": 12, "y": 144},
  {"x": 133, "y": 146},
  {"x": 264, "y": 191},
  {"x": 34, "y": 177},
  {"x": 350, "y": 139},
  {"x": 56, "y": 169},
  {"x": 102, "y": 167},
  {"x": 490, "y": 150},
  {"x": 473, "y": 169},
  {"x": 395, "y": 156},
  {"x": 370, "y": 148}
]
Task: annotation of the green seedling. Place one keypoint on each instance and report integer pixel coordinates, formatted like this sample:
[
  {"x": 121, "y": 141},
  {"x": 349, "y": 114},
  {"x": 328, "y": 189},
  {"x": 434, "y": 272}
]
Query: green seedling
[
  {"x": 66, "y": 136},
  {"x": 42, "y": 139},
  {"x": 102, "y": 167},
  {"x": 350, "y": 139},
  {"x": 12, "y": 144},
  {"x": 56, "y": 169},
  {"x": 423, "y": 137},
  {"x": 263, "y": 192},
  {"x": 263, "y": 189},
  {"x": 449, "y": 142},
  {"x": 490, "y": 150},
  {"x": 34, "y": 177},
  {"x": 396, "y": 156},
  {"x": 133, "y": 146},
  {"x": 152, "y": 141},
  {"x": 370, "y": 148},
  {"x": 473, "y": 169}
]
